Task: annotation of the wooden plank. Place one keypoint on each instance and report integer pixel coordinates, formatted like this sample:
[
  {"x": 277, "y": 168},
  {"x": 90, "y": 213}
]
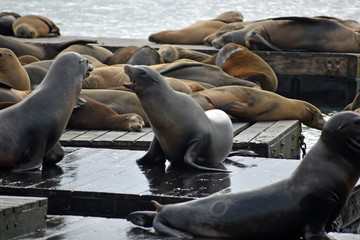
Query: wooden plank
[
  {"x": 239, "y": 127},
  {"x": 251, "y": 132},
  {"x": 69, "y": 135},
  {"x": 89, "y": 136}
]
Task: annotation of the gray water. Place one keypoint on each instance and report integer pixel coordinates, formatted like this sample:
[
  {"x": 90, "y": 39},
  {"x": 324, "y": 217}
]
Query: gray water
[{"x": 139, "y": 18}]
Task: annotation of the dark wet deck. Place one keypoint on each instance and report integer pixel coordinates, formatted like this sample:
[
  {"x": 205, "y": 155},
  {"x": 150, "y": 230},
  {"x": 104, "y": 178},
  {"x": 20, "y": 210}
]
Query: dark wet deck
[
  {"x": 85, "y": 228},
  {"x": 266, "y": 138}
]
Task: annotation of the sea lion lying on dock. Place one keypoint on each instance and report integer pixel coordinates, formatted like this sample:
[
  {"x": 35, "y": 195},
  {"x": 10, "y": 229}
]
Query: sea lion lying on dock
[
  {"x": 304, "y": 205},
  {"x": 34, "y": 26}
]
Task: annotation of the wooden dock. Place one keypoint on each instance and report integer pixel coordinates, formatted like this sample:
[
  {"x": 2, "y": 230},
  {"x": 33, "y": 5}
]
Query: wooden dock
[{"x": 275, "y": 139}]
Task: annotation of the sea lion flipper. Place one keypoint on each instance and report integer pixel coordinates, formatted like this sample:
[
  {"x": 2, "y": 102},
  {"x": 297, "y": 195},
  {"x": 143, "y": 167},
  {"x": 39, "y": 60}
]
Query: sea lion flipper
[
  {"x": 55, "y": 155},
  {"x": 142, "y": 218},
  {"x": 32, "y": 160},
  {"x": 190, "y": 158},
  {"x": 256, "y": 42},
  {"x": 154, "y": 155},
  {"x": 161, "y": 227}
]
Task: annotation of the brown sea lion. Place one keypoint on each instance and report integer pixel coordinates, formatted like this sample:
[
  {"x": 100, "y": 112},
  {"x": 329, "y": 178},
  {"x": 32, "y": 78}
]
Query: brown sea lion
[
  {"x": 105, "y": 77},
  {"x": 42, "y": 51},
  {"x": 53, "y": 100},
  {"x": 305, "y": 34},
  {"x": 98, "y": 52},
  {"x": 34, "y": 26},
  {"x": 93, "y": 115},
  {"x": 12, "y": 72},
  {"x": 239, "y": 62},
  {"x": 304, "y": 205},
  {"x": 200, "y": 72},
  {"x": 224, "y": 29},
  {"x": 120, "y": 101},
  {"x": 121, "y": 55},
  {"x": 27, "y": 59},
  {"x": 195, "y": 33},
  {"x": 252, "y": 105},
  {"x": 184, "y": 133}
]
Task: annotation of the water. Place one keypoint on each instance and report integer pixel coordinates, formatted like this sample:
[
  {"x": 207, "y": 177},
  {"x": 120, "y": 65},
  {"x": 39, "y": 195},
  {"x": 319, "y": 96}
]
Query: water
[{"x": 138, "y": 19}]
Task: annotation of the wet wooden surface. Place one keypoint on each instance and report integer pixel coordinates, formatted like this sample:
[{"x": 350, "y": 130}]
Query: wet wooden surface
[
  {"x": 266, "y": 138},
  {"x": 89, "y": 228},
  {"x": 109, "y": 182}
]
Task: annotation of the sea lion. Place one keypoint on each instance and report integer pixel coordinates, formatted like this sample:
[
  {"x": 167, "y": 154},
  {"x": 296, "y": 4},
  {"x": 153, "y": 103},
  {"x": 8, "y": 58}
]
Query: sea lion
[
  {"x": 145, "y": 55},
  {"x": 7, "y": 19},
  {"x": 120, "y": 101},
  {"x": 121, "y": 55},
  {"x": 252, "y": 105},
  {"x": 105, "y": 77},
  {"x": 27, "y": 59},
  {"x": 184, "y": 133},
  {"x": 98, "y": 52},
  {"x": 9, "y": 94},
  {"x": 239, "y": 62},
  {"x": 47, "y": 110},
  {"x": 303, "y": 34},
  {"x": 34, "y": 26},
  {"x": 200, "y": 72},
  {"x": 195, "y": 33},
  {"x": 170, "y": 53},
  {"x": 93, "y": 115},
  {"x": 12, "y": 72},
  {"x": 37, "y": 71},
  {"x": 224, "y": 29},
  {"x": 303, "y": 205},
  {"x": 42, "y": 51}
]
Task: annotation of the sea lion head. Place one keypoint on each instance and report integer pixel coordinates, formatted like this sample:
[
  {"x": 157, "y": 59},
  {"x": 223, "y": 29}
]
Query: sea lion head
[
  {"x": 25, "y": 31},
  {"x": 342, "y": 132},
  {"x": 142, "y": 78}
]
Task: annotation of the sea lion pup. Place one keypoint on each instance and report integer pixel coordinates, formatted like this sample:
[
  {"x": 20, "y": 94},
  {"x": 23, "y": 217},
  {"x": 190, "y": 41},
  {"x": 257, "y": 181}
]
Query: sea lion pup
[
  {"x": 42, "y": 51},
  {"x": 252, "y": 105},
  {"x": 32, "y": 127},
  {"x": 302, "y": 205},
  {"x": 239, "y": 62},
  {"x": 12, "y": 72},
  {"x": 305, "y": 34},
  {"x": 93, "y": 115},
  {"x": 184, "y": 133},
  {"x": 34, "y": 26},
  {"x": 195, "y": 33}
]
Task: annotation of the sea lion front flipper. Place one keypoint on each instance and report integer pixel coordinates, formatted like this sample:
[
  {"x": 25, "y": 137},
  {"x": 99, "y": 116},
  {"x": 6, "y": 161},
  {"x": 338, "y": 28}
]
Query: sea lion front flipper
[
  {"x": 161, "y": 227},
  {"x": 256, "y": 42},
  {"x": 32, "y": 158},
  {"x": 154, "y": 155},
  {"x": 142, "y": 218}
]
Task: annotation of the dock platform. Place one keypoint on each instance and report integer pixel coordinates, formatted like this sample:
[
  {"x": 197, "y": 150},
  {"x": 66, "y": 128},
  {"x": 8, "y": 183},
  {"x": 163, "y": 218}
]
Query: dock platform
[
  {"x": 21, "y": 216},
  {"x": 98, "y": 183}
]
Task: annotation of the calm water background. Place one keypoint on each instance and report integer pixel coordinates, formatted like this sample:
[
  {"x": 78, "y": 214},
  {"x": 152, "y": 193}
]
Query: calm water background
[{"x": 139, "y": 18}]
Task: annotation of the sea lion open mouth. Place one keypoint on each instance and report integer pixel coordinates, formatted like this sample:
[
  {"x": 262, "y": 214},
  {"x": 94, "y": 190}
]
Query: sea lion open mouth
[{"x": 132, "y": 81}]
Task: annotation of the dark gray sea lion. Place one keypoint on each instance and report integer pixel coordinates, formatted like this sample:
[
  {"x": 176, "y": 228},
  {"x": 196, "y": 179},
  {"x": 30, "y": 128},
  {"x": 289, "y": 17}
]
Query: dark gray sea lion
[
  {"x": 303, "y": 34},
  {"x": 6, "y": 21},
  {"x": 145, "y": 55},
  {"x": 37, "y": 71},
  {"x": 32, "y": 127},
  {"x": 303, "y": 205},
  {"x": 43, "y": 51},
  {"x": 184, "y": 133}
]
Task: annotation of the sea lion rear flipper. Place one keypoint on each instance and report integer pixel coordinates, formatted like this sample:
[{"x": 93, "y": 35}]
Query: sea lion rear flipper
[
  {"x": 191, "y": 156},
  {"x": 154, "y": 155},
  {"x": 256, "y": 42},
  {"x": 142, "y": 218},
  {"x": 161, "y": 227}
]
